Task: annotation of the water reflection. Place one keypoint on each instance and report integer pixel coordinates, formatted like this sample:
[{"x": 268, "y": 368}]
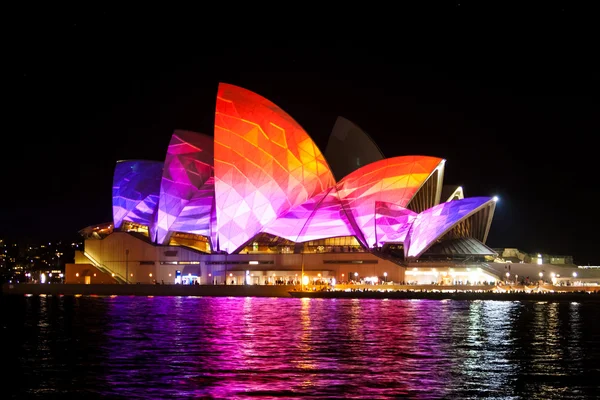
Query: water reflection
[{"x": 181, "y": 347}]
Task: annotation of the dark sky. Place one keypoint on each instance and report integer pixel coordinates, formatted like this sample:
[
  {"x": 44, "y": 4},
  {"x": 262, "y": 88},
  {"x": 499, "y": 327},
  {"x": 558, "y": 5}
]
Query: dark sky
[{"x": 515, "y": 113}]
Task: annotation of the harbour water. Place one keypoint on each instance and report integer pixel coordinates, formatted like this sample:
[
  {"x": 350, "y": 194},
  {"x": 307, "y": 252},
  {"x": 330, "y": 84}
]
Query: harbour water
[{"x": 127, "y": 347}]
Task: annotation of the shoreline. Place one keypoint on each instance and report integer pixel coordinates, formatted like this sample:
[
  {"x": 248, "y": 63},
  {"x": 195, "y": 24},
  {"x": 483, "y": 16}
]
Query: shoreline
[
  {"x": 287, "y": 291},
  {"x": 420, "y": 295},
  {"x": 71, "y": 289}
]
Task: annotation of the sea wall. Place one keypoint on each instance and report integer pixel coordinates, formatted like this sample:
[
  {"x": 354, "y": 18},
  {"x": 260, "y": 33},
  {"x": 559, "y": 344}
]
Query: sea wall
[{"x": 149, "y": 290}]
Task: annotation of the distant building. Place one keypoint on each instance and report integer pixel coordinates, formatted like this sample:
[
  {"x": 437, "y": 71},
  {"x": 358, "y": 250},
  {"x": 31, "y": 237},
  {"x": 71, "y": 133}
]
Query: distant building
[
  {"x": 25, "y": 261},
  {"x": 518, "y": 256}
]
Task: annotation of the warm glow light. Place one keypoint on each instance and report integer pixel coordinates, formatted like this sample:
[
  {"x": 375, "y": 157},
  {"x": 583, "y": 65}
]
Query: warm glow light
[
  {"x": 77, "y": 274},
  {"x": 305, "y": 280},
  {"x": 361, "y": 191},
  {"x": 150, "y": 275}
]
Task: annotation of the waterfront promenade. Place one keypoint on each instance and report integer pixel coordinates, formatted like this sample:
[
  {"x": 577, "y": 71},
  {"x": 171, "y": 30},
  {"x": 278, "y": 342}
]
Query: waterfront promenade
[{"x": 433, "y": 292}]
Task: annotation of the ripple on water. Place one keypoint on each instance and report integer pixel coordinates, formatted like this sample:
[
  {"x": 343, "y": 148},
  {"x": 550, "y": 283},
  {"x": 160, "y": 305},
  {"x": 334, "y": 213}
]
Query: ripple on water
[{"x": 174, "y": 347}]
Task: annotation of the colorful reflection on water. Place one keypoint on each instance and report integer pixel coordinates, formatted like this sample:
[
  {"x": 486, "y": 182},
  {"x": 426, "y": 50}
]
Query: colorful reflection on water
[{"x": 188, "y": 347}]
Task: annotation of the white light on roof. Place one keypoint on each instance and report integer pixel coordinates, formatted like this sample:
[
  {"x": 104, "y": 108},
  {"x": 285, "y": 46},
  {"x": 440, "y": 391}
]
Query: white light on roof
[{"x": 495, "y": 198}]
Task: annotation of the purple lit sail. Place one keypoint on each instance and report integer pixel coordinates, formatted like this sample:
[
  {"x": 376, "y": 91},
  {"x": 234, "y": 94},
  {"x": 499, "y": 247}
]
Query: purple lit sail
[
  {"x": 432, "y": 224},
  {"x": 392, "y": 222},
  {"x": 187, "y": 187},
  {"x": 136, "y": 185},
  {"x": 320, "y": 217}
]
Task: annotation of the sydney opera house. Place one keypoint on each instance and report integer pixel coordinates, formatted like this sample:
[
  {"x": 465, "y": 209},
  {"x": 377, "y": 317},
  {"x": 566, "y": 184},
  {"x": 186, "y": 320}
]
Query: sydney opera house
[{"x": 258, "y": 203}]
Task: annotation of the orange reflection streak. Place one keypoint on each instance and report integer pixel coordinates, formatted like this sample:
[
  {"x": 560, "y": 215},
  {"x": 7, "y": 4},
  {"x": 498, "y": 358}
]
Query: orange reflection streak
[{"x": 306, "y": 338}]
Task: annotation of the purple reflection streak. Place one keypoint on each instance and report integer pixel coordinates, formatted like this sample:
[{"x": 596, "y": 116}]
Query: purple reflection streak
[
  {"x": 176, "y": 347},
  {"x": 228, "y": 347}
]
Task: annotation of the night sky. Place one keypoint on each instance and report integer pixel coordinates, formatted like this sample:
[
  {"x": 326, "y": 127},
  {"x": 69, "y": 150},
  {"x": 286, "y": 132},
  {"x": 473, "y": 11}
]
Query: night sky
[{"x": 514, "y": 115}]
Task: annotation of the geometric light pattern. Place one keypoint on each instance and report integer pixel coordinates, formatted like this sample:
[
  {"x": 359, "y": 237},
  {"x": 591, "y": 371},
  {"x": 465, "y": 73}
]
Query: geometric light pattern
[
  {"x": 392, "y": 222},
  {"x": 263, "y": 173},
  {"x": 265, "y": 164},
  {"x": 394, "y": 180},
  {"x": 135, "y": 191},
  {"x": 320, "y": 217},
  {"x": 187, "y": 187},
  {"x": 432, "y": 224}
]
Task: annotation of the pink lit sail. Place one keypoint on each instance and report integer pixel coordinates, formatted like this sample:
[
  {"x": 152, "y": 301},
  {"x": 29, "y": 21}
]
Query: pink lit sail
[
  {"x": 394, "y": 180},
  {"x": 320, "y": 217},
  {"x": 392, "y": 222},
  {"x": 432, "y": 224},
  {"x": 135, "y": 192},
  {"x": 265, "y": 164},
  {"x": 187, "y": 187}
]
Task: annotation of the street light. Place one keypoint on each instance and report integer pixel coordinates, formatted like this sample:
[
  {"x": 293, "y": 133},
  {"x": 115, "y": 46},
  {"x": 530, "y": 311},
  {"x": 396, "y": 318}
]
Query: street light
[{"x": 126, "y": 266}]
